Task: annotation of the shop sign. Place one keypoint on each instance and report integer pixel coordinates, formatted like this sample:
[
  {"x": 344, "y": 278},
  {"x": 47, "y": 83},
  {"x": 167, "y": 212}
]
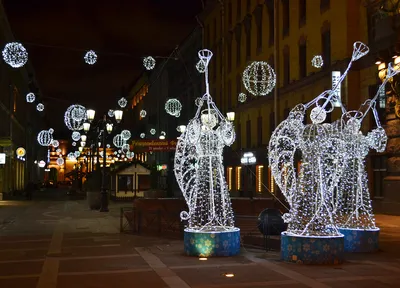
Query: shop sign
[
  {"x": 2, "y": 158},
  {"x": 154, "y": 145}
]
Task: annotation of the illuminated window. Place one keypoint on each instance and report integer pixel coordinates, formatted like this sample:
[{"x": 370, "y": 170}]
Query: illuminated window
[
  {"x": 238, "y": 177},
  {"x": 271, "y": 181},
  {"x": 229, "y": 176},
  {"x": 259, "y": 178}
]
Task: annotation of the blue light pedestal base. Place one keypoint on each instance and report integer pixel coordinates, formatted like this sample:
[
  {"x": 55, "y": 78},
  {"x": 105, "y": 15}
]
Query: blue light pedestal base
[
  {"x": 312, "y": 250},
  {"x": 360, "y": 240},
  {"x": 212, "y": 244}
]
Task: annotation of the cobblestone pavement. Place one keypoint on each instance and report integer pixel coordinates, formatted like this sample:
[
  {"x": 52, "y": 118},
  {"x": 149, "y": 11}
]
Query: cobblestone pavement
[{"x": 48, "y": 244}]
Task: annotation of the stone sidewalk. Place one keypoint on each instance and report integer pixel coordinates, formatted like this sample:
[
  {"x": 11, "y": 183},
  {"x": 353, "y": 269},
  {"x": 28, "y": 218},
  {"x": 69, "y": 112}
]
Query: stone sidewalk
[{"x": 66, "y": 245}]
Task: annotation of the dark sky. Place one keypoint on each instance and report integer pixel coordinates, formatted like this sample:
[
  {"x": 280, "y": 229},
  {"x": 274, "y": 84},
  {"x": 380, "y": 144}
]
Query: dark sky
[{"x": 133, "y": 28}]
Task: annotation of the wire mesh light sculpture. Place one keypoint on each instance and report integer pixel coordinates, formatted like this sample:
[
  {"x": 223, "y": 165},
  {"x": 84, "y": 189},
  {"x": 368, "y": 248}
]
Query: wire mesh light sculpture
[
  {"x": 90, "y": 57},
  {"x": 45, "y": 137},
  {"x": 259, "y": 78},
  {"x": 76, "y": 136},
  {"x": 149, "y": 63},
  {"x": 30, "y": 97},
  {"x": 118, "y": 141},
  {"x": 15, "y": 55},
  {"x": 173, "y": 107},
  {"x": 74, "y": 117}
]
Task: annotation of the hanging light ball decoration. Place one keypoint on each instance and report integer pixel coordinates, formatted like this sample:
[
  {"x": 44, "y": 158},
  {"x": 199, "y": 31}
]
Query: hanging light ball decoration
[
  {"x": 76, "y": 136},
  {"x": 163, "y": 133},
  {"x": 58, "y": 150},
  {"x": 173, "y": 107},
  {"x": 317, "y": 61},
  {"x": 90, "y": 57},
  {"x": 45, "y": 137},
  {"x": 152, "y": 131},
  {"x": 126, "y": 134},
  {"x": 142, "y": 135},
  {"x": 77, "y": 154},
  {"x": 110, "y": 113},
  {"x": 149, "y": 63},
  {"x": 259, "y": 78},
  {"x": 51, "y": 130},
  {"x": 60, "y": 161},
  {"x": 143, "y": 113},
  {"x": 74, "y": 144},
  {"x": 40, "y": 107},
  {"x": 118, "y": 141},
  {"x": 55, "y": 144},
  {"x": 125, "y": 148},
  {"x": 108, "y": 145},
  {"x": 15, "y": 55},
  {"x": 71, "y": 156},
  {"x": 122, "y": 102},
  {"x": 198, "y": 102},
  {"x": 74, "y": 117},
  {"x": 242, "y": 97},
  {"x": 30, "y": 97},
  {"x": 201, "y": 66}
]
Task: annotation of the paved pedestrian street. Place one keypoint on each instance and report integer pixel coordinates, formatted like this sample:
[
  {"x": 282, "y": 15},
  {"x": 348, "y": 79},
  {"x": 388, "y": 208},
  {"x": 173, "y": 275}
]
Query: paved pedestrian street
[{"x": 62, "y": 244}]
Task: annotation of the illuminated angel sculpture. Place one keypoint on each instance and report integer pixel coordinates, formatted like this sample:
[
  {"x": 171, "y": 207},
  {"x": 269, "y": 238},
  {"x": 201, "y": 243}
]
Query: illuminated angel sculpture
[{"x": 199, "y": 169}]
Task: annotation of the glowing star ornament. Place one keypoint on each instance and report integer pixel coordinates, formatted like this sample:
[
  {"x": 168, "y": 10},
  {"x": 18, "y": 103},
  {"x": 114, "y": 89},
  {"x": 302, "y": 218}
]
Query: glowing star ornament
[
  {"x": 90, "y": 57},
  {"x": 60, "y": 161},
  {"x": 173, "y": 107},
  {"x": 259, "y": 78},
  {"x": 142, "y": 135},
  {"x": 143, "y": 113},
  {"x": 317, "y": 61},
  {"x": 40, "y": 107},
  {"x": 110, "y": 113},
  {"x": 55, "y": 143},
  {"x": 76, "y": 136},
  {"x": 152, "y": 131},
  {"x": 149, "y": 63},
  {"x": 15, "y": 55},
  {"x": 242, "y": 97},
  {"x": 125, "y": 134},
  {"x": 200, "y": 66},
  {"x": 45, "y": 137},
  {"x": 122, "y": 102},
  {"x": 74, "y": 117},
  {"x": 30, "y": 97},
  {"x": 118, "y": 141}
]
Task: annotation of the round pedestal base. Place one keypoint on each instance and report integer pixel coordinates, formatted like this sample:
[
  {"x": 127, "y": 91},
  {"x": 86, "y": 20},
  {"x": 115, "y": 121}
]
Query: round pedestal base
[
  {"x": 312, "y": 250},
  {"x": 359, "y": 240},
  {"x": 212, "y": 244}
]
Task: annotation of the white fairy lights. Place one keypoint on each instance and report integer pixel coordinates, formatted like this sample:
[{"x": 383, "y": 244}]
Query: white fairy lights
[
  {"x": 259, "y": 78},
  {"x": 90, "y": 57},
  {"x": 242, "y": 97},
  {"x": 30, "y": 97},
  {"x": 149, "y": 63},
  {"x": 143, "y": 113},
  {"x": 74, "y": 117},
  {"x": 122, "y": 102},
  {"x": 15, "y": 55},
  {"x": 198, "y": 166},
  {"x": 317, "y": 61},
  {"x": 173, "y": 107},
  {"x": 45, "y": 137},
  {"x": 40, "y": 107}
]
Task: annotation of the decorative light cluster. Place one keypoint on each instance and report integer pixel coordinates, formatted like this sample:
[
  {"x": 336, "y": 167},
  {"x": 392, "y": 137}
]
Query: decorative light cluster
[
  {"x": 40, "y": 107},
  {"x": 110, "y": 113},
  {"x": 142, "y": 135},
  {"x": 200, "y": 66},
  {"x": 149, "y": 63},
  {"x": 317, "y": 61},
  {"x": 74, "y": 117},
  {"x": 122, "y": 102},
  {"x": 152, "y": 131},
  {"x": 173, "y": 107},
  {"x": 90, "y": 57},
  {"x": 45, "y": 137},
  {"x": 125, "y": 134},
  {"x": 143, "y": 113},
  {"x": 198, "y": 166},
  {"x": 259, "y": 78},
  {"x": 242, "y": 97},
  {"x": 30, "y": 97},
  {"x": 15, "y": 55}
]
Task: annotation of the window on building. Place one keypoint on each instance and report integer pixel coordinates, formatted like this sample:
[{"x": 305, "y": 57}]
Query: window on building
[
  {"x": 230, "y": 14},
  {"x": 286, "y": 66},
  {"x": 229, "y": 55},
  {"x": 285, "y": 19},
  {"x": 259, "y": 131},
  {"x": 259, "y": 31},
  {"x": 238, "y": 178},
  {"x": 238, "y": 10},
  {"x": 248, "y": 45},
  {"x": 229, "y": 177},
  {"x": 326, "y": 48},
  {"x": 271, "y": 22},
  {"x": 302, "y": 60},
  {"x": 238, "y": 49},
  {"x": 248, "y": 134},
  {"x": 259, "y": 178},
  {"x": 271, "y": 122},
  {"x": 270, "y": 181},
  {"x": 324, "y": 5},
  {"x": 302, "y": 12},
  {"x": 229, "y": 95}
]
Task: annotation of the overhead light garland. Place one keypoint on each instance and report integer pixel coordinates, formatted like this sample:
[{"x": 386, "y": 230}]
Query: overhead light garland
[
  {"x": 90, "y": 57},
  {"x": 15, "y": 55},
  {"x": 259, "y": 78},
  {"x": 149, "y": 63}
]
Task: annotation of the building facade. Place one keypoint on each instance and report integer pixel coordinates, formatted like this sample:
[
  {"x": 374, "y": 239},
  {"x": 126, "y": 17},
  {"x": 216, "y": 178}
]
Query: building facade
[{"x": 286, "y": 35}]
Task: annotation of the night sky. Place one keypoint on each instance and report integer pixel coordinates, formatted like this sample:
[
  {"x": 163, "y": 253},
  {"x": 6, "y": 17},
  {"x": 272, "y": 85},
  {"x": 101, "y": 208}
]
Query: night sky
[{"x": 58, "y": 33}]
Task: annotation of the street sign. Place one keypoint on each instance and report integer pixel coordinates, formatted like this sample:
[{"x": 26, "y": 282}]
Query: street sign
[{"x": 2, "y": 158}]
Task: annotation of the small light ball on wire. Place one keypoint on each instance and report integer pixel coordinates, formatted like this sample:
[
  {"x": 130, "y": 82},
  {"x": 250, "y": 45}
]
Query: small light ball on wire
[
  {"x": 201, "y": 66},
  {"x": 58, "y": 151},
  {"x": 142, "y": 135},
  {"x": 60, "y": 161},
  {"x": 173, "y": 107},
  {"x": 74, "y": 144},
  {"x": 242, "y": 97},
  {"x": 110, "y": 113},
  {"x": 51, "y": 130},
  {"x": 90, "y": 57},
  {"x": 45, "y": 137},
  {"x": 40, "y": 107},
  {"x": 198, "y": 102},
  {"x": 76, "y": 136},
  {"x": 15, "y": 55},
  {"x": 30, "y": 97},
  {"x": 317, "y": 61},
  {"x": 55, "y": 144},
  {"x": 108, "y": 145},
  {"x": 259, "y": 78},
  {"x": 143, "y": 113},
  {"x": 126, "y": 134},
  {"x": 122, "y": 102},
  {"x": 149, "y": 63},
  {"x": 152, "y": 131}
]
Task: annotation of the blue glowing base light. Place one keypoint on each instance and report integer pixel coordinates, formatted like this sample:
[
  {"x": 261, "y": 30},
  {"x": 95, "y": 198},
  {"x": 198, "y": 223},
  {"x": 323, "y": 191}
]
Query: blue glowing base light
[
  {"x": 360, "y": 240},
  {"x": 212, "y": 244},
  {"x": 312, "y": 250}
]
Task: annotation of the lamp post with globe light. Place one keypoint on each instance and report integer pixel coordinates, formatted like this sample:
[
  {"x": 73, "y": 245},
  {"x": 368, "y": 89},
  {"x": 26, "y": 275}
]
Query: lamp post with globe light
[{"x": 103, "y": 128}]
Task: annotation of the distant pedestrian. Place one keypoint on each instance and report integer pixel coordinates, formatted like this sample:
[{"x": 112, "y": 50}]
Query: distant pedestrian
[{"x": 29, "y": 190}]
